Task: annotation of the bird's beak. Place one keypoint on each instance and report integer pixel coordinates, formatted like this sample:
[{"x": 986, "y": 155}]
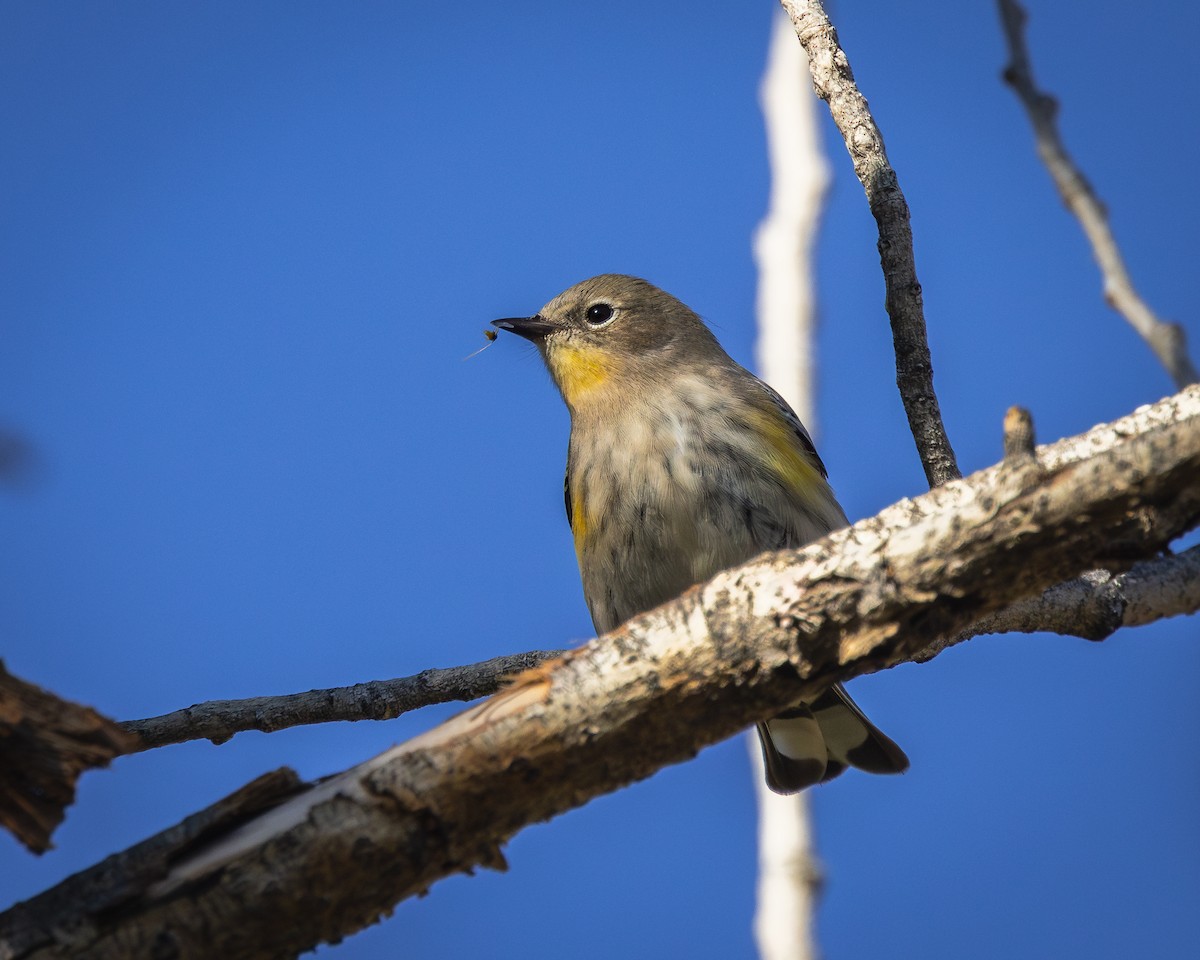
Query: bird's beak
[{"x": 531, "y": 328}]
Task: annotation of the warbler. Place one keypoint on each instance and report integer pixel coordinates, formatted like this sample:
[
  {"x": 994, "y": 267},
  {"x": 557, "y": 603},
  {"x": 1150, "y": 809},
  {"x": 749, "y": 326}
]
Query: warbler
[{"x": 681, "y": 463}]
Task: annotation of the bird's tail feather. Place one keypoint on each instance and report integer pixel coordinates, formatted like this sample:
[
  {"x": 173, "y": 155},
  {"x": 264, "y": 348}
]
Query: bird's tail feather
[
  {"x": 851, "y": 738},
  {"x": 812, "y": 743},
  {"x": 793, "y": 750}
]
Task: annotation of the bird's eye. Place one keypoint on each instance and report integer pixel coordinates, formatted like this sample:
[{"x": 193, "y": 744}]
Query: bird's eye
[{"x": 599, "y": 314}]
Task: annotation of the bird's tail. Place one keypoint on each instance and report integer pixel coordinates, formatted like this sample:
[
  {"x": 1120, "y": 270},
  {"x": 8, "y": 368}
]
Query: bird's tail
[{"x": 814, "y": 742}]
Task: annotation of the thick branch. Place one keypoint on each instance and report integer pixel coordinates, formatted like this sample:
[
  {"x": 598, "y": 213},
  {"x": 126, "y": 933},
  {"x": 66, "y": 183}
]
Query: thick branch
[
  {"x": 218, "y": 720},
  {"x": 690, "y": 673},
  {"x": 835, "y": 84},
  {"x": 1167, "y": 340},
  {"x": 25, "y": 926}
]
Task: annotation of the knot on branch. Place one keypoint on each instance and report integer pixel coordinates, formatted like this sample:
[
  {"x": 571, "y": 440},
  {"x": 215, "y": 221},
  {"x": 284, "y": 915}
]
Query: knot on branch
[{"x": 1019, "y": 439}]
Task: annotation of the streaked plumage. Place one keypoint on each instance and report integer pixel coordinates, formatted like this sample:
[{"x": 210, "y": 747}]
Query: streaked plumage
[{"x": 681, "y": 464}]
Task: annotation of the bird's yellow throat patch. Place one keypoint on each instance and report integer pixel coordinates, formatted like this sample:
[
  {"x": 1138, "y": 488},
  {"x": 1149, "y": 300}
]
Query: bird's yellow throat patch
[{"x": 579, "y": 370}]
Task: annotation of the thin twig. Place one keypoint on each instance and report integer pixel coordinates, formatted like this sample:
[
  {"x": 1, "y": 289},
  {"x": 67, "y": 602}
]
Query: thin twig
[
  {"x": 218, "y": 720},
  {"x": 834, "y": 82},
  {"x": 1167, "y": 340}
]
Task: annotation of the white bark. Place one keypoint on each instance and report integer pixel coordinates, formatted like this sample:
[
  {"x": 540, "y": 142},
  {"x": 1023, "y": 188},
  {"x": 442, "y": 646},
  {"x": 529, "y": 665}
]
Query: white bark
[
  {"x": 789, "y": 871},
  {"x": 788, "y": 885},
  {"x": 784, "y": 244}
]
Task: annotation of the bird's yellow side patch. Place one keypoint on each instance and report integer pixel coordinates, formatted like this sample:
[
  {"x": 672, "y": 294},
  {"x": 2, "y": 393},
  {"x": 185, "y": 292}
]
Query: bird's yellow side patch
[
  {"x": 580, "y": 523},
  {"x": 787, "y": 458},
  {"x": 579, "y": 370}
]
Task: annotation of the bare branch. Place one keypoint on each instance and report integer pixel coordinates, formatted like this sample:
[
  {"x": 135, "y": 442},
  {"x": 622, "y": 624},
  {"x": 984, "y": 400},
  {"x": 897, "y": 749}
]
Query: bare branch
[
  {"x": 218, "y": 720},
  {"x": 694, "y": 671},
  {"x": 1167, "y": 340},
  {"x": 834, "y": 84},
  {"x": 1096, "y": 604}
]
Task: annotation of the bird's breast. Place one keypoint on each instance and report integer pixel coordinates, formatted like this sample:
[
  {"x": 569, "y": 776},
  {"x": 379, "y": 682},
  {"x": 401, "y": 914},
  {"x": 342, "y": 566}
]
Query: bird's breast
[{"x": 647, "y": 516}]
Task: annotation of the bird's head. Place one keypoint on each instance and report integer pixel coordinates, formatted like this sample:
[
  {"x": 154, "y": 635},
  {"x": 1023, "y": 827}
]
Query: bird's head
[{"x": 614, "y": 332}]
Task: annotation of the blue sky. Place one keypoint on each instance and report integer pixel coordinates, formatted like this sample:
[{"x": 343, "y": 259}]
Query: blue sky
[{"x": 246, "y": 247}]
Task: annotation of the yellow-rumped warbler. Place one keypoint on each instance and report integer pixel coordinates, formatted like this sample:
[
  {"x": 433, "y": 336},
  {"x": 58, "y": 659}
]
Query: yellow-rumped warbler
[{"x": 681, "y": 464}]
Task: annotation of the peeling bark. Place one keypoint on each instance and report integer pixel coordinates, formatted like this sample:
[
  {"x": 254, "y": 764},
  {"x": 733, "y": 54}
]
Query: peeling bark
[{"x": 45, "y": 744}]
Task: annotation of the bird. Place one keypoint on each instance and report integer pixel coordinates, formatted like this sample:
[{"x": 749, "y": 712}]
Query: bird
[{"x": 680, "y": 464}]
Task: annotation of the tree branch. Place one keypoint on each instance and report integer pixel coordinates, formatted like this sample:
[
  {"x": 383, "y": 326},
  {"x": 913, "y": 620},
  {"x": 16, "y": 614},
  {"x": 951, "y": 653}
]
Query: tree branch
[
  {"x": 834, "y": 82},
  {"x": 218, "y": 720},
  {"x": 26, "y": 926},
  {"x": 653, "y": 692},
  {"x": 1098, "y": 604},
  {"x": 1167, "y": 340}
]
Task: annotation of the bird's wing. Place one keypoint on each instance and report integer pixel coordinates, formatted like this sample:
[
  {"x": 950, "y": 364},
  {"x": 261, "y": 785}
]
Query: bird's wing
[
  {"x": 793, "y": 421},
  {"x": 790, "y": 481},
  {"x": 844, "y": 736},
  {"x": 567, "y": 497}
]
